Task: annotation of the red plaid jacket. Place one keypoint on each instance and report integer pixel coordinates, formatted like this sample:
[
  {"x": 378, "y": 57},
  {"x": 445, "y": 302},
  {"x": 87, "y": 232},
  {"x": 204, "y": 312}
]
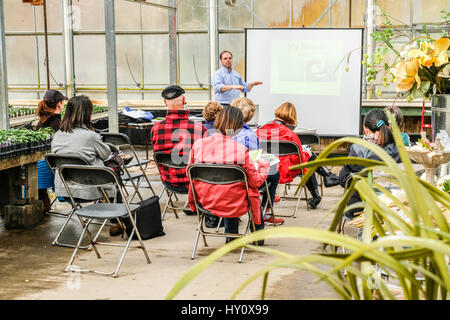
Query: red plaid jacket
[{"x": 176, "y": 135}]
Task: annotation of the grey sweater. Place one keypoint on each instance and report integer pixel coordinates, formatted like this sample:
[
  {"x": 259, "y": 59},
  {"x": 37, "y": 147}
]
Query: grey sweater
[{"x": 88, "y": 144}]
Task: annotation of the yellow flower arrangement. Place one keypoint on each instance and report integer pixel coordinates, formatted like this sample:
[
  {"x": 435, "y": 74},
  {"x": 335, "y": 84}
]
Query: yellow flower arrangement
[
  {"x": 419, "y": 69},
  {"x": 422, "y": 65}
]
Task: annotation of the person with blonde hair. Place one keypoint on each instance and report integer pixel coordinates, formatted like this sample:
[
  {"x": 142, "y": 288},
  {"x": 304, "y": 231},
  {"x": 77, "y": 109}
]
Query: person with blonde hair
[
  {"x": 210, "y": 112},
  {"x": 282, "y": 129},
  {"x": 246, "y": 136}
]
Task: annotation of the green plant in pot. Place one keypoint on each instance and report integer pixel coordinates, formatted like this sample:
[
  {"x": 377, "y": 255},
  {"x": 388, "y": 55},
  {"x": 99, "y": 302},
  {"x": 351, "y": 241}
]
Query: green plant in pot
[{"x": 412, "y": 247}]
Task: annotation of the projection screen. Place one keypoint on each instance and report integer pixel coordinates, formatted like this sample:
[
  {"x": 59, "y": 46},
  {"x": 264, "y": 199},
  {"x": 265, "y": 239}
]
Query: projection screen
[{"x": 307, "y": 67}]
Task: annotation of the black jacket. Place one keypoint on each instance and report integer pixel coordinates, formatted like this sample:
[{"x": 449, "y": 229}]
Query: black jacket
[{"x": 54, "y": 122}]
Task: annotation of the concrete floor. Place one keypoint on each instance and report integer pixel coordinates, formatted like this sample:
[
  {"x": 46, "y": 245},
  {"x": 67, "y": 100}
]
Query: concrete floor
[{"x": 31, "y": 268}]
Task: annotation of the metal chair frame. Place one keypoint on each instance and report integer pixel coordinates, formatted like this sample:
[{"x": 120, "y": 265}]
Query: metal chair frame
[
  {"x": 286, "y": 148},
  {"x": 214, "y": 174},
  {"x": 163, "y": 159},
  {"x": 54, "y": 161},
  {"x": 308, "y": 139},
  {"x": 121, "y": 140},
  {"x": 99, "y": 177}
]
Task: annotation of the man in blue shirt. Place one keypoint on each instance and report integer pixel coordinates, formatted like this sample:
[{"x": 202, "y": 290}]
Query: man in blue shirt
[{"x": 227, "y": 83}]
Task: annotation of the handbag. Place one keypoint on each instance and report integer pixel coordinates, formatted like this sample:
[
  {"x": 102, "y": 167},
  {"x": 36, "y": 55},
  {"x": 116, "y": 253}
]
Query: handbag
[{"x": 148, "y": 220}]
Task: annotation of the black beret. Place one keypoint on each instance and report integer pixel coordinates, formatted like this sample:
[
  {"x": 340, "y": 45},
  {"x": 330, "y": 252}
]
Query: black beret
[{"x": 172, "y": 92}]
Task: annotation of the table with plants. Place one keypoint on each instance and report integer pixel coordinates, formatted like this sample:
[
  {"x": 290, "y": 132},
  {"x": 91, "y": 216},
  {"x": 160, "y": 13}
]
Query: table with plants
[{"x": 20, "y": 149}]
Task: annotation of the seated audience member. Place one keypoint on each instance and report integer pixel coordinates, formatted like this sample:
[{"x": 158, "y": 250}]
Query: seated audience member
[
  {"x": 228, "y": 201},
  {"x": 49, "y": 112},
  {"x": 210, "y": 113},
  {"x": 247, "y": 137},
  {"x": 77, "y": 137},
  {"x": 398, "y": 115},
  {"x": 376, "y": 130},
  {"x": 175, "y": 135},
  {"x": 282, "y": 129}
]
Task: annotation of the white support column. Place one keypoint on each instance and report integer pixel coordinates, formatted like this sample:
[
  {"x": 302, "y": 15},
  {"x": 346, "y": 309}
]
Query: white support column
[
  {"x": 68, "y": 14},
  {"x": 370, "y": 42},
  {"x": 4, "y": 101},
  {"x": 212, "y": 42},
  {"x": 110, "y": 38}
]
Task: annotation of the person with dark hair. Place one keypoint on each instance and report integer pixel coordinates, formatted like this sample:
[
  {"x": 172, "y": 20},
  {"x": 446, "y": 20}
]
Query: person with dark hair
[
  {"x": 282, "y": 129},
  {"x": 398, "y": 115},
  {"x": 377, "y": 131},
  {"x": 49, "y": 113},
  {"x": 78, "y": 137},
  {"x": 228, "y": 83},
  {"x": 247, "y": 137},
  {"x": 228, "y": 201},
  {"x": 49, "y": 110},
  {"x": 175, "y": 135}
]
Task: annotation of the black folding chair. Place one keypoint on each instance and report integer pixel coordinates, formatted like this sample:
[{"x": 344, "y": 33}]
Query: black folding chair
[
  {"x": 285, "y": 148},
  {"x": 217, "y": 174},
  {"x": 311, "y": 139},
  {"x": 121, "y": 141},
  {"x": 91, "y": 176},
  {"x": 164, "y": 160},
  {"x": 54, "y": 161}
]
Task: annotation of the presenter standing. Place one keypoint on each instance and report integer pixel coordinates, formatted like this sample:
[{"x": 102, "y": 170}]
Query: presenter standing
[{"x": 228, "y": 83}]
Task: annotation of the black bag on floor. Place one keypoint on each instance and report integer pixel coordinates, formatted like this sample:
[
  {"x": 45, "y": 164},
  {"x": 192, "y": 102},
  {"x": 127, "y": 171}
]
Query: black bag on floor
[{"x": 148, "y": 220}]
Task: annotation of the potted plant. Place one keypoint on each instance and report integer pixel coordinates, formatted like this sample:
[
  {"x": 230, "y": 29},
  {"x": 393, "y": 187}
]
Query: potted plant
[{"x": 400, "y": 248}]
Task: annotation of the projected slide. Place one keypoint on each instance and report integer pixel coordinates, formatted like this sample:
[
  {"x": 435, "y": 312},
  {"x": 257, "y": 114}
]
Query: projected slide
[{"x": 305, "y": 67}]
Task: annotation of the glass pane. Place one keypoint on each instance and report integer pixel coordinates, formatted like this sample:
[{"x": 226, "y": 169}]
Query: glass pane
[
  {"x": 88, "y": 15},
  {"x": 235, "y": 43},
  {"x": 127, "y": 15},
  {"x": 154, "y": 18},
  {"x": 54, "y": 16},
  {"x": 21, "y": 60},
  {"x": 306, "y": 13},
  {"x": 235, "y": 18},
  {"x": 156, "y": 59},
  {"x": 273, "y": 14},
  {"x": 193, "y": 14},
  {"x": 129, "y": 61},
  {"x": 429, "y": 11},
  {"x": 340, "y": 14},
  {"x": 55, "y": 58},
  {"x": 90, "y": 60},
  {"x": 18, "y": 16},
  {"x": 398, "y": 12},
  {"x": 193, "y": 53}
]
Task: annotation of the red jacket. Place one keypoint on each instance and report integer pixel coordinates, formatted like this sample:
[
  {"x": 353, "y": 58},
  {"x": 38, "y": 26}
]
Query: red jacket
[
  {"x": 275, "y": 131},
  {"x": 228, "y": 201}
]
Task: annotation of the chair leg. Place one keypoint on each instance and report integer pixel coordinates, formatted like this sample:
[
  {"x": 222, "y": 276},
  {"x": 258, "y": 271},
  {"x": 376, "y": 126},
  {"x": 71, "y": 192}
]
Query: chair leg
[
  {"x": 66, "y": 222},
  {"x": 218, "y": 224},
  {"x": 69, "y": 266},
  {"x": 115, "y": 274},
  {"x": 197, "y": 237},
  {"x": 167, "y": 204}
]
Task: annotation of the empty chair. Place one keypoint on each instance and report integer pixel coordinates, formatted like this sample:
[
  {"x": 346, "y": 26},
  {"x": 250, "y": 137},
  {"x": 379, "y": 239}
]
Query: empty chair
[
  {"x": 121, "y": 140},
  {"x": 99, "y": 177},
  {"x": 285, "y": 148},
  {"x": 164, "y": 163},
  {"x": 217, "y": 174},
  {"x": 310, "y": 139}
]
